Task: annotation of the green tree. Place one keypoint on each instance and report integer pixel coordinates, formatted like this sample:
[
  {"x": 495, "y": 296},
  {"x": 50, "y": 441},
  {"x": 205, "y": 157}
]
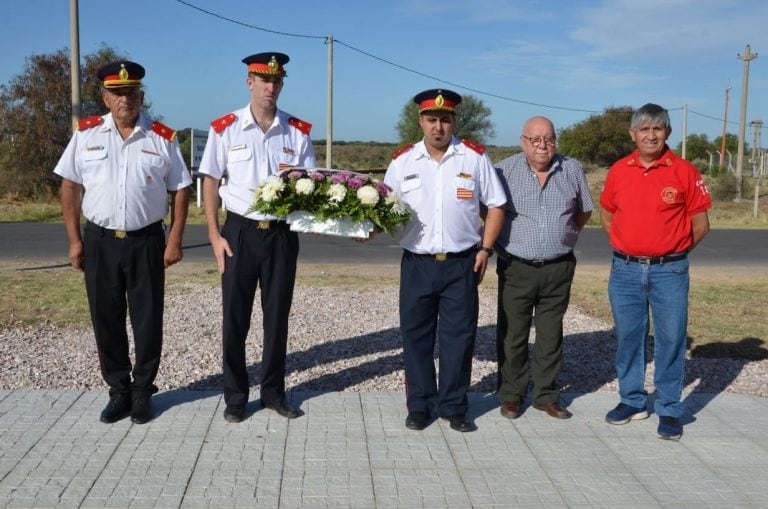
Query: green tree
[
  {"x": 472, "y": 121},
  {"x": 696, "y": 147},
  {"x": 600, "y": 139},
  {"x": 731, "y": 144},
  {"x": 35, "y": 118}
]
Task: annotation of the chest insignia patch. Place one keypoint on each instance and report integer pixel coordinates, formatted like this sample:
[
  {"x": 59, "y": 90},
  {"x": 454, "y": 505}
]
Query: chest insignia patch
[
  {"x": 288, "y": 150},
  {"x": 669, "y": 195}
]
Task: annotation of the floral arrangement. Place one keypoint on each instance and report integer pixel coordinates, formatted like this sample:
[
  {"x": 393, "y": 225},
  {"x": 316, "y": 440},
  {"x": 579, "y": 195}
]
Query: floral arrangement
[{"x": 330, "y": 195}]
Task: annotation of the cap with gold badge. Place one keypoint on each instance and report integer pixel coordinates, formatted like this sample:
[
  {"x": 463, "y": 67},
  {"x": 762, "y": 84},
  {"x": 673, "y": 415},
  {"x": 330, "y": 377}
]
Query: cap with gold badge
[
  {"x": 122, "y": 73},
  {"x": 267, "y": 64},
  {"x": 437, "y": 99}
]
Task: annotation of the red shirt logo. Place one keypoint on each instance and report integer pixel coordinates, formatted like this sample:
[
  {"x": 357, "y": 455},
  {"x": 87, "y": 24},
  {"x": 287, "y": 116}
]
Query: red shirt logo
[{"x": 669, "y": 195}]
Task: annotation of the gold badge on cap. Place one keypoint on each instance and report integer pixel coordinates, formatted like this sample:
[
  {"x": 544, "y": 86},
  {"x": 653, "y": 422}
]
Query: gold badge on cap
[
  {"x": 439, "y": 101},
  {"x": 272, "y": 65},
  {"x": 123, "y": 72}
]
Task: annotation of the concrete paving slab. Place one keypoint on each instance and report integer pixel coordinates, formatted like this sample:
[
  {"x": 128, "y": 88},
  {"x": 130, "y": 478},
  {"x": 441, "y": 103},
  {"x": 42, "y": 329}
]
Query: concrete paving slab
[{"x": 353, "y": 450}]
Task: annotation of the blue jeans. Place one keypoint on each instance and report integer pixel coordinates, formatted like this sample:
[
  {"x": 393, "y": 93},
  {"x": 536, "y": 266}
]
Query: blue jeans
[{"x": 632, "y": 288}]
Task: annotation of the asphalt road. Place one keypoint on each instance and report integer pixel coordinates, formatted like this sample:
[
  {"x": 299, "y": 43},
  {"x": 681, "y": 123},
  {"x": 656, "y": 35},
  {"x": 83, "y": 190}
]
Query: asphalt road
[{"x": 47, "y": 242}]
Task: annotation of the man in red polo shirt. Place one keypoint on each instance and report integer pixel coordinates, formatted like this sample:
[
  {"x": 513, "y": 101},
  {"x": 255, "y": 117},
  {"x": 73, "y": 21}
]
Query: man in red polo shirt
[{"x": 654, "y": 210}]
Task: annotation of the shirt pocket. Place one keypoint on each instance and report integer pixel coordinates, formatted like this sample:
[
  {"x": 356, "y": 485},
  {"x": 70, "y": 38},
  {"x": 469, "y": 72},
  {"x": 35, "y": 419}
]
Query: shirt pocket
[
  {"x": 152, "y": 169},
  {"x": 464, "y": 188},
  {"x": 239, "y": 155},
  {"x": 95, "y": 165}
]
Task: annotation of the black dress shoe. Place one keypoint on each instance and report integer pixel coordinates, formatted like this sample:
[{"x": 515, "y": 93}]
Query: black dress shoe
[
  {"x": 460, "y": 423},
  {"x": 416, "y": 420},
  {"x": 119, "y": 407},
  {"x": 283, "y": 408},
  {"x": 141, "y": 411},
  {"x": 234, "y": 413}
]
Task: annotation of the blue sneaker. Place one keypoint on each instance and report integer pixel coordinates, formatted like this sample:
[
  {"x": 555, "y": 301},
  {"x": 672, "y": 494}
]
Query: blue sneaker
[
  {"x": 624, "y": 413},
  {"x": 669, "y": 428}
]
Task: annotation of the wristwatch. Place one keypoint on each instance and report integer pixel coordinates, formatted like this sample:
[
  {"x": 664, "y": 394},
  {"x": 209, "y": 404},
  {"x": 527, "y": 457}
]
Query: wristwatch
[{"x": 488, "y": 250}]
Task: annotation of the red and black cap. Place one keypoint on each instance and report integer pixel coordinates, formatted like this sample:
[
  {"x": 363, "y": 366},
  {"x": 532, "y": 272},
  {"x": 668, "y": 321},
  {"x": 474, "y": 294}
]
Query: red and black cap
[
  {"x": 267, "y": 64},
  {"x": 437, "y": 99},
  {"x": 122, "y": 73}
]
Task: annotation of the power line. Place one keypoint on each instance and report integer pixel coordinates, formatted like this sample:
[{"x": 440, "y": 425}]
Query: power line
[
  {"x": 413, "y": 71},
  {"x": 250, "y": 26},
  {"x": 388, "y": 62}
]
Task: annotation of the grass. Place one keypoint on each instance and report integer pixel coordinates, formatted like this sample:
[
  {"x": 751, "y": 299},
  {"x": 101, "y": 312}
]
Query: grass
[{"x": 725, "y": 314}]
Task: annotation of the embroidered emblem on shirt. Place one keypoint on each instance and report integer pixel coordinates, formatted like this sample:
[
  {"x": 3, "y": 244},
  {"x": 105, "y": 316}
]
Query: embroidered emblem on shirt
[
  {"x": 411, "y": 177},
  {"x": 669, "y": 195},
  {"x": 143, "y": 151},
  {"x": 95, "y": 147},
  {"x": 288, "y": 150},
  {"x": 465, "y": 176},
  {"x": 149, "y": 179},
  {"x": 236, "y": 147},
  {"x": 463, "y": 194}
]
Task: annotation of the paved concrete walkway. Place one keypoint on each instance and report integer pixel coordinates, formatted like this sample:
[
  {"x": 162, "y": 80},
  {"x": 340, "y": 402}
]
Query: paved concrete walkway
[{"x": 352, "y": 450}]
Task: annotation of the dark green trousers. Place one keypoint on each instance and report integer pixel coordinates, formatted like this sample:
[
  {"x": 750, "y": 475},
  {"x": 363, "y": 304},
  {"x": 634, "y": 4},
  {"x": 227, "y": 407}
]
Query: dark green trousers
[{"x": 526, "y": 292}]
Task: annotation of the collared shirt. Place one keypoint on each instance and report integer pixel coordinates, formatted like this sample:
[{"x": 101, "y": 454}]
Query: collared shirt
[
  {"x": 126, "y": 182},
  {"x": 246, "y": 156},
  {"x": 652, "y": 207},
  {"x": 540, "y": 221},
  {"x": 445, "y": 196}
]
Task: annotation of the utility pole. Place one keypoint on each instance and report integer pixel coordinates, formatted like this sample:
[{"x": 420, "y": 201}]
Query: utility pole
[
  {"x": 74, "y": 60},
  {"x": 685, "y": 128},
  {"x": 756, "y": 126},
  {"x": 329, "y": 110},
  {"x": 746, "y": 57},
  {"x": 725, "y": 131}
]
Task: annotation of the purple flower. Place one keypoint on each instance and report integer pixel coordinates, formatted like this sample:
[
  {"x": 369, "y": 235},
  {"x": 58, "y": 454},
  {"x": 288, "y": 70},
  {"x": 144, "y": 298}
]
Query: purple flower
[
  {"x": 383, "y": 189},
  {"x": 295, "y": 174},
  {"x": 340, "y": 178},
  {"x": 317, "y": 176},
  {"x": 355, "y": 182}
]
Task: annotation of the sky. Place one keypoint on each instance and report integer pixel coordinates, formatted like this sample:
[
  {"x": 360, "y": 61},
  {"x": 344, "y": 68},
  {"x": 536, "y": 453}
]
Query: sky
[{"x": 563, "y": 60}]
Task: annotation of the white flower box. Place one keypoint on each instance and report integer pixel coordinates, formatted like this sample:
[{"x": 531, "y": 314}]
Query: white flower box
[{"x": 303, "y": 221}]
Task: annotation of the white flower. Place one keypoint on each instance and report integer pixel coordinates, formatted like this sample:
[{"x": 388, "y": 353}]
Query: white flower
[
  {"x": 271, "y": 188},
  {"x": 305, "y": 186},
  {"x": 337, "y": 192},
  {"x": 395, "y": 205},
  {"x": 368, "y": 195}
]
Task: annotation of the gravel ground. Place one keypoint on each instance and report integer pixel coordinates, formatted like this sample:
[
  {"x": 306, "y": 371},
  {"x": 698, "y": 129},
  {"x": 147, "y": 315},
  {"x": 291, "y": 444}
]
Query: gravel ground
[{"x": 341, "y": 339}]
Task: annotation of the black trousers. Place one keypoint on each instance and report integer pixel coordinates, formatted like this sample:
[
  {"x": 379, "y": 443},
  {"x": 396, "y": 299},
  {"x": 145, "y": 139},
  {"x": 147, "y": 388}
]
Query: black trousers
[
  {"x": 265, "y": 257},
  {"x": 126, "y": 276},
  {"x": 524, "y": 292},
  {"x": 438, "y": 300}
]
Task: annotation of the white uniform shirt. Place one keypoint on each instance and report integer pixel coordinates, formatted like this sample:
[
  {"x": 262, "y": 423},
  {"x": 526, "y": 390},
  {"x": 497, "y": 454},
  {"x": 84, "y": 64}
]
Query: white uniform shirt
[
  {"x": 126, "y": 182},
  {"x": 248, "y": 155},
  {"x": 445, "y": 196}
]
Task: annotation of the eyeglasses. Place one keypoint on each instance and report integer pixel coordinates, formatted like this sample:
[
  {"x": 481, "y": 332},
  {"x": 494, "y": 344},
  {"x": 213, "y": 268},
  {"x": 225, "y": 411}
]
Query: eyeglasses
[{"x": 537, "y": 141}]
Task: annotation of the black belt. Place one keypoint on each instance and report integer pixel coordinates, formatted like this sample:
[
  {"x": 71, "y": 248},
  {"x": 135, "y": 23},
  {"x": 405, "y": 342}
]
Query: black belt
[
  {"x": 539, "y": 263},
  {"x": 153, "y": 229},
  {"x": 441, "y": 257},
  {"x": 651, "y": 260},
  {"x": 261, "y": 224}
]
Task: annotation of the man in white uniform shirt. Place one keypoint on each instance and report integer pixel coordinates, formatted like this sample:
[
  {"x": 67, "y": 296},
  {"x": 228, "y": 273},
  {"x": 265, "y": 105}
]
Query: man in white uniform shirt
[
  {"x": 252, "y": 249},
  {"x": 445, "y": 256},
  {"x": 119, "y": 169}
]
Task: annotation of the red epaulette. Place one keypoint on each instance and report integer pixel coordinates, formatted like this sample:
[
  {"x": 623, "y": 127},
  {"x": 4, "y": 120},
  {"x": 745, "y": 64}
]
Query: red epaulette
[
  {"x": 163, "y": 130},
  {"x": 299, "y": 124},
  {"x": 480, "y": 149},
  {"x": 222, "y": 123},
  {"x": 402, "y": 150},
  {"x": 87, "y": 123}
]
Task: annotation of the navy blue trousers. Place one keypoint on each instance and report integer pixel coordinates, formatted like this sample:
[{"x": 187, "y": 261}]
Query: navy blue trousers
[{"x": 438, "y": 300}]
